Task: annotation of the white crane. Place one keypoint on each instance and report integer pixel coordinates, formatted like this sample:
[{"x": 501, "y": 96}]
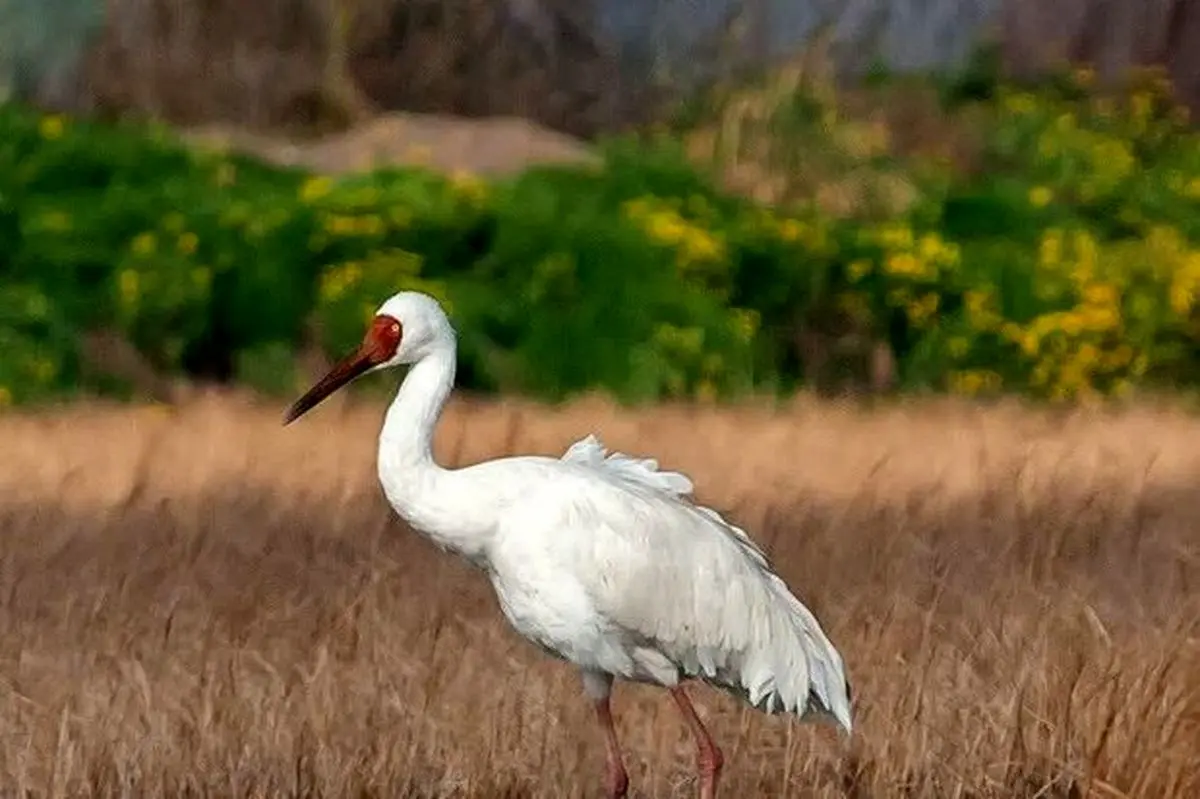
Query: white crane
[{"x": 600, "y": 559}]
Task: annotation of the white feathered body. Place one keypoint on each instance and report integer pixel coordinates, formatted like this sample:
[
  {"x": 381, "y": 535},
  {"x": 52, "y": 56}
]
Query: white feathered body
[{"x": 604, "y": 561}]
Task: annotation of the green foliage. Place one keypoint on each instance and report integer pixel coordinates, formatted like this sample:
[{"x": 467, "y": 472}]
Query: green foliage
[
  {"x": 1064, "y": 262},
  {"x": 1077, "y": 242},
  {"x": 187, "y": 254},
  {"x": 36, "y": 342},
  {"x": 594, "y": 282}
]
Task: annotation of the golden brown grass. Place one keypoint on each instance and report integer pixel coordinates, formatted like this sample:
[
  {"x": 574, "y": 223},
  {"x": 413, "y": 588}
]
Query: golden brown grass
[{"x": 200, "y": 602}]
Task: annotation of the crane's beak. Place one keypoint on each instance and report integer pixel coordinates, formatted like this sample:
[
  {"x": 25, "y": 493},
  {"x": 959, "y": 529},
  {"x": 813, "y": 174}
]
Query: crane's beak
[
  {"x": 379, "y": 345},
  {"x": 352, "y": 366}
]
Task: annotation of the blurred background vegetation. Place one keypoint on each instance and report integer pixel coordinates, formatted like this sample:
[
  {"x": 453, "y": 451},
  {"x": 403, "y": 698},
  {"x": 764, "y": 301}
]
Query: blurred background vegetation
[{"x": 652, "y": 198}]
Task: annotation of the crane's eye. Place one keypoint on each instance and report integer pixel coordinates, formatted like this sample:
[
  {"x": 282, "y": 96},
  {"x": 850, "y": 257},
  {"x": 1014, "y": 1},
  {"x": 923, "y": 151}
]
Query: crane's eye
[{"x": 395, "y": 327}]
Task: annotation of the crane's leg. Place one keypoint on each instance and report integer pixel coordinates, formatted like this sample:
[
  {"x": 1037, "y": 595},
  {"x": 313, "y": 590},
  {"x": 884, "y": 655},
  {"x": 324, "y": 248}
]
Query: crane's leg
[
  {"x": 598, "y": 686},
  {"x": 710, "y": 759}
]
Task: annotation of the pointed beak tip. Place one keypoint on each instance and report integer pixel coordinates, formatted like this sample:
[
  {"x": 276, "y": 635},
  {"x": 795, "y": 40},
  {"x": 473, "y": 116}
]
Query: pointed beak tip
[
  {"x": 347, "y": 370},
  {"x": 292, "y": 414}
]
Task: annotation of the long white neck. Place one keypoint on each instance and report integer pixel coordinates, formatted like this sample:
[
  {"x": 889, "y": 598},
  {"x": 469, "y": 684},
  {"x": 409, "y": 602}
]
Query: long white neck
[
  {"x": 421, "y": 491},
  {"x": 407, "y": 436}
]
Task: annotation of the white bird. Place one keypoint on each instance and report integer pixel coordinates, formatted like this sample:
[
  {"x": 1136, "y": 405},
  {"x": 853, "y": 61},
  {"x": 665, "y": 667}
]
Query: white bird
[{"x": 600, "y": 559}]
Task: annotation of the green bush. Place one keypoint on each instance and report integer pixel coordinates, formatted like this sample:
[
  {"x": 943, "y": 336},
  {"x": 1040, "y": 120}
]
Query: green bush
[
  {"x": 190, "y": 255},
  {"x": 38, "y": 355},
  {"x": 1064, "y": 263},
  {"x": 590, "y": 283}
]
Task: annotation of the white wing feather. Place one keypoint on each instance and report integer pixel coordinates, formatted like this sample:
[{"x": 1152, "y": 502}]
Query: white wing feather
[{"x": 699, "y": 591}]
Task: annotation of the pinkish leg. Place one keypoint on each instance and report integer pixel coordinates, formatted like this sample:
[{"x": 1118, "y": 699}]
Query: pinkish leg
[
  {"x": 616, "y": 780},
  {"x": 709, "y": 757},
  {"x": 598, "y": 686}
]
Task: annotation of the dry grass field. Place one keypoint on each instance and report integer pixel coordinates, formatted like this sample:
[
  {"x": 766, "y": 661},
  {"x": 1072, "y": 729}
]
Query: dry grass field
[{"x": 199, "y": 602}]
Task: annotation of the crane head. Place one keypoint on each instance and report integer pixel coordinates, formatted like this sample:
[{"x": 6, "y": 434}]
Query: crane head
[
  {"x": 378, "y": 349},
  {"x": 406, "y": 328}
]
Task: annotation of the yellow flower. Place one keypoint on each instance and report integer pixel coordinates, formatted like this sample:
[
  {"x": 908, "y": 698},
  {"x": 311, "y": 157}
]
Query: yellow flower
[
  {"x": 6, "y": 397},
  {"x": 144, "y": 243},
  {"x": 1182, "y": 297},
  {"x": 858, "y": 269},
  {"x": 1086, "y": 250},
  {"x": 314, "y": 188},
  {"x": 1101, "y": 294},
  {"x": 1030, "y": 342},
  {"x": 700, "y": 245},
  {"x": 336, "y": 281},
  {"x": 338, "y": 225},
  {"x": 468, "y": 186},
  {"x": 965, "y": 383},
  {"x": 979, "y": 309},
  {"x": 52, "y": 126},
  {"x": 187, "y": 243},
  {"x": 1040, "y": 196},
  {"x": 129, "y": 285},
  {"x": 666, "y": 228},
  {"x": 923, "y": 309},
  {"x": 1050, "y": 248},
  {"x": 930, "y": 247},
  {"x": 635, "y": 209},
  {"x": 370, "y": 225},
  {"x": 976, "y": 301},
  {"x": 1022, "y": 103},
  {"x": 972, "y": 382},
  {"x": 903, "y": 263},
  {"x": 896, "y": 237},
  {"x": 790, "y": 230}
]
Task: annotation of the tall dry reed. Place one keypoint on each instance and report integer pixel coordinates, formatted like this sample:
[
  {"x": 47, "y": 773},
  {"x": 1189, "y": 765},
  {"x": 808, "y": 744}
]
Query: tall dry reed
[{"x": 201, "y": 602}]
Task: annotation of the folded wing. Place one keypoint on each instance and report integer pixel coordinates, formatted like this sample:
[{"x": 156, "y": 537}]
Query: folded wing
[{"x": 679, "y": 577}]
